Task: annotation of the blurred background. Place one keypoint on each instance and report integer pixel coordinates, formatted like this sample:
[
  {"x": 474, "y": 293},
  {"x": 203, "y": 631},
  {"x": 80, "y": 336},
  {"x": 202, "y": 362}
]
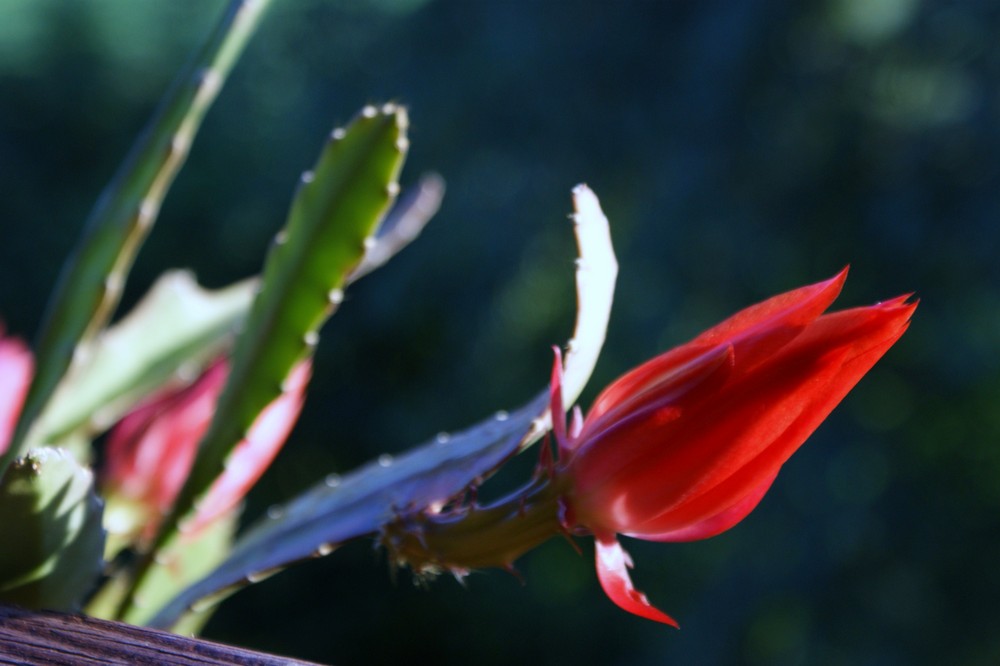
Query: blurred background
[{"x": 739, "y": 148}]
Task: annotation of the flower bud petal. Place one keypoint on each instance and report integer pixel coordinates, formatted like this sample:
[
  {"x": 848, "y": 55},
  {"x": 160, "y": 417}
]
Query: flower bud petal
[{"x": 685, "y": 446}]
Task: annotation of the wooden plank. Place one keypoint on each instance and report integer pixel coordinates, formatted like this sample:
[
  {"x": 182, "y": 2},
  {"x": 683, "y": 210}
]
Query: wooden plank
[{"x": 45, "y": 637}]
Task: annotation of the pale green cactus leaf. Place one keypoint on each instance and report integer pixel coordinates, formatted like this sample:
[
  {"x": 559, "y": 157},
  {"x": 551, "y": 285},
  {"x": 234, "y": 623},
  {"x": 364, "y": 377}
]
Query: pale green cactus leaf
[{"x": 169, "y": 337}]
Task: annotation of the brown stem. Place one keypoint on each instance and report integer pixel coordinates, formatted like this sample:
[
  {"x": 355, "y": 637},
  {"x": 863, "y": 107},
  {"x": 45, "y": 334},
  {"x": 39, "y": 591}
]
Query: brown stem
[{"x": 478, "y": 537}]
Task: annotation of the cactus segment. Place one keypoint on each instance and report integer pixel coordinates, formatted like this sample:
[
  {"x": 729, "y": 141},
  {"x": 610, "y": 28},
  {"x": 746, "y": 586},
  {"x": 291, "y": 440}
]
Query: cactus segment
[
  {"x": 170, "y": 336},
  {"x": 333, "y": 216},
  {"x": 50, "y": 530},
  {"x": 94, "y": 276},
  {"x": 339, "y": 509},
  {"x": 434, "y": 473},
  {"x": 596, "y": 274}
]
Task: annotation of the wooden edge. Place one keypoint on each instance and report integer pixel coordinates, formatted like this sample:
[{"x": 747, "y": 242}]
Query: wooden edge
[{"x": 46, "y": 637}]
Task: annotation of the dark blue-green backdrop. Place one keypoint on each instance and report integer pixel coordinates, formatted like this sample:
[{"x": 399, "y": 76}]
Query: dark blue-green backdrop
[{"x": 739, "y": 149}]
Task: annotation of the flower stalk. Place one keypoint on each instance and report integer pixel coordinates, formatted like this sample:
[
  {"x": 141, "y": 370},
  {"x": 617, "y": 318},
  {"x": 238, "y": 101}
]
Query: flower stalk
[{"x": 469, "y": 536}]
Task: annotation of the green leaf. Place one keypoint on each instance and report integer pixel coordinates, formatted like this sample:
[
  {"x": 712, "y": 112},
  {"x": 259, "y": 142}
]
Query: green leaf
[
  {"x": 51, "y": 531},
  {"x": 363, "y": 501},
  {"x": 177, "y": 328},
  {"x": 94, "y": 276},
  {"x": 331, "y": 225}
]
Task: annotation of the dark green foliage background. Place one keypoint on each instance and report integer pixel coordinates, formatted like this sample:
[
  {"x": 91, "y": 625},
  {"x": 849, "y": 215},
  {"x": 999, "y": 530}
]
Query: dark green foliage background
[{"x": 739, "y": 148}]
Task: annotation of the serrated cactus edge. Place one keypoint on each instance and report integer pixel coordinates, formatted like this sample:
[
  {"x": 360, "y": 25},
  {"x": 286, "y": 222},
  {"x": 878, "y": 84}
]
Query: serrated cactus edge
[{"x": 332, "y": 223}]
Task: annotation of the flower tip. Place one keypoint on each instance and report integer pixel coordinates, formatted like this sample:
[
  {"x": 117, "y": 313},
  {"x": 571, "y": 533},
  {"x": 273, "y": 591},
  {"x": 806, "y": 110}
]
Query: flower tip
[
  {"x": 902, "y": 301},
  {"x": 841, "y": 277},
  {"x": 899, "y": 309},
  {"x": 909, "y": 306}
]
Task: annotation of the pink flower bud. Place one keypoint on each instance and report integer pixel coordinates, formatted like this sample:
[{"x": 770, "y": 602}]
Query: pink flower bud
[
  {"x": 254, "y": 455},
  {"x": 16, "y": 368},
  {"x": 151, "y": 451}
]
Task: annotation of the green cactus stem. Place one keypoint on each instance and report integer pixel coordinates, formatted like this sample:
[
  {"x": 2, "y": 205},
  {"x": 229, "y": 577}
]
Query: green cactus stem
[
  {"x": 469, "y": 536},
  {"x": 331, "y": 225}
]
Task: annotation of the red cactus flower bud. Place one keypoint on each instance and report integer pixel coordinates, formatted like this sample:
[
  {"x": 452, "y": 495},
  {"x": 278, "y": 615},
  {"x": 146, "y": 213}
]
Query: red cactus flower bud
[{"x": 684, "y": 446}]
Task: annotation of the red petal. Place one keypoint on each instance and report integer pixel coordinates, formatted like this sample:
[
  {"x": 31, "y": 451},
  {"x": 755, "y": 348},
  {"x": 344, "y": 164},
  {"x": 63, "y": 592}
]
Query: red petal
[
  {"x": 556, "y": 408},
  {"x": 756, "y": 332},
  {"x": 720, "y": 450},
  {"x": 621, "y": 439},
  {"x": 613, "y": 564},
  {"x": 704, "y": 372},
  {"x": 709, "y": 527},
  {"x": 797, "y": 307}
]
